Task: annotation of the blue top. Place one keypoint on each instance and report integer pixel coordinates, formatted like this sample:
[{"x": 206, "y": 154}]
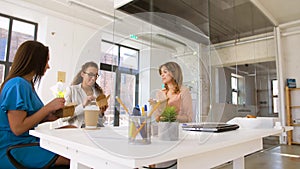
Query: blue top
[{"x": 18, "y": 94}]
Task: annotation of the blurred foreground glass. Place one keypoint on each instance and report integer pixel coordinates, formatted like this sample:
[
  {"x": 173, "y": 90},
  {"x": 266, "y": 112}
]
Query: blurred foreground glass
[{"x": 139, "y": 130}]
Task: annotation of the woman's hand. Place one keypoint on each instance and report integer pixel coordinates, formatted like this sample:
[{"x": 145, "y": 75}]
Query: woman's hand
[
  {"x": 88, "y": 100},
  {"x": 103, "y": 109},
  {"x": 50, "y": 117},
  {"x": 55, "y": 104},
  {"x": 152, "y": 102},
  {"x": 19, "y": 121}
]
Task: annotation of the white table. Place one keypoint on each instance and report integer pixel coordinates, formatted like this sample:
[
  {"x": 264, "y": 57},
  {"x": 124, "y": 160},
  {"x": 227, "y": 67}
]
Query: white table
[{"x": 108, "y": 147}]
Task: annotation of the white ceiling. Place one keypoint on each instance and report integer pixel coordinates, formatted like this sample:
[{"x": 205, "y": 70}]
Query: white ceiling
[
  {"x": 282, "y": 11},
  {"x": 278, "y": 11},
  {"x": 70, "y": 9}
]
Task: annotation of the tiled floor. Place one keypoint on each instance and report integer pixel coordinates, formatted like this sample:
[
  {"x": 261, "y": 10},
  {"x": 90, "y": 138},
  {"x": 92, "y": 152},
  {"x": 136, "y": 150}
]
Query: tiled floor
[{"x": 273, "y": 157}]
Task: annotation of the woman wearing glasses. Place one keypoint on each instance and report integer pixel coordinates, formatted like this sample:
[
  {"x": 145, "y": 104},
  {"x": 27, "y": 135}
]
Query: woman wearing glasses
[{"x": 84, "y": 90}]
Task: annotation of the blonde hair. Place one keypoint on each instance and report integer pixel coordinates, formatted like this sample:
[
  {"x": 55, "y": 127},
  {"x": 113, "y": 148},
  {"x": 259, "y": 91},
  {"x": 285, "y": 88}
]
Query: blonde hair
[{"x": 175, "y": 69}]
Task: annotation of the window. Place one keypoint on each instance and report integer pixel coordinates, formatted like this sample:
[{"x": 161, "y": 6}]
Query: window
[
  {"x": 275, "y": 95},
  {"x": 234, "y": 89},
  {"x": 119, "y": 67},
  {"x": 13, "y": 32}
]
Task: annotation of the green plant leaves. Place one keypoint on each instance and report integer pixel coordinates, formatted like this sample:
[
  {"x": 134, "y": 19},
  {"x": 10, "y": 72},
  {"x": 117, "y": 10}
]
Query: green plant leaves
[{"x": 169, "y": 114}]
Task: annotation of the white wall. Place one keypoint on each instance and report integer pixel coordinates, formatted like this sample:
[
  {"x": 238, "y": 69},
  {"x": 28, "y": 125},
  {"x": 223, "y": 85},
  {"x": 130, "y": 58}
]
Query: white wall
[
  {"x": 254, "y": 52},
  {"x": 65, "y": 36},
  {"x": 290, "y": 52},
  {"x": 291, "y": 55}
]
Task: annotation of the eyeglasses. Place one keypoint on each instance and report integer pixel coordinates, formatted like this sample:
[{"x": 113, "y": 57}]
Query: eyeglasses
[{"x": 91, "y": 75}]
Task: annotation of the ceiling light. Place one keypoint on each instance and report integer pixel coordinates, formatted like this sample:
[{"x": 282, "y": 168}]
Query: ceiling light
[{"x": 91, "y": 8}]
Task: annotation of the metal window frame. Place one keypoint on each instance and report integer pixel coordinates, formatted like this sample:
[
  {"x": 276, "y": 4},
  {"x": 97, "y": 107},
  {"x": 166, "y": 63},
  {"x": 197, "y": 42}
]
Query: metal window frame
[
  {"x": 114, "y": 68},
  {"x": 7, "y": 63}
]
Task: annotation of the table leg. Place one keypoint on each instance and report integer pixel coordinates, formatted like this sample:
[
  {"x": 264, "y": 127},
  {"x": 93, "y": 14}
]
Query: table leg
[
  {"x": 239, "y": 163},
  {"x": 73, "y": 164}
]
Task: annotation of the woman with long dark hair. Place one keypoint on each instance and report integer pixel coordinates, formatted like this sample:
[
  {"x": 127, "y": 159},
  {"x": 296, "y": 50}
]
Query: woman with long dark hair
[{"x": 21, "y": 108}]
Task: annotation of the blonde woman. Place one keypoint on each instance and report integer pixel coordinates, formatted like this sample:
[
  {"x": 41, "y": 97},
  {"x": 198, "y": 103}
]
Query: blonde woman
[{"x": 174, "y": 93}]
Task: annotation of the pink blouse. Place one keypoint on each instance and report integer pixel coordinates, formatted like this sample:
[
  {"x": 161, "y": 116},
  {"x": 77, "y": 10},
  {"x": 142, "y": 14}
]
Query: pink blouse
[{"x": 182, "y": 102}]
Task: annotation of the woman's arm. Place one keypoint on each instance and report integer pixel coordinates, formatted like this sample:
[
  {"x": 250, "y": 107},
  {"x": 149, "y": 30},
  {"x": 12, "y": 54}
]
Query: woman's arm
[
  {"x": 162, "y": 98},
  {"x": 19, "y": 121},
  {"x": 186, "y": 112}
]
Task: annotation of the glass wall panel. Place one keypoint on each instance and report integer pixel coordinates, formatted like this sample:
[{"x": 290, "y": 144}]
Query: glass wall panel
[
  {"x": 246, "y": 49},
  {"x": 210, "y": 41},
  {"x": 106, "y": 80},
  {"x": 127, "y": 95},
  {"x": 118, "y": 67},
  {"x": 156, "y": 47}
]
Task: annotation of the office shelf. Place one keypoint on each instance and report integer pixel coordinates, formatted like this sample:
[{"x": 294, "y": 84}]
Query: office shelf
[
  {"x": 289, "y": 110},
  {"x": 294, "y": 107},
  {"x": 297, "y": 143}
]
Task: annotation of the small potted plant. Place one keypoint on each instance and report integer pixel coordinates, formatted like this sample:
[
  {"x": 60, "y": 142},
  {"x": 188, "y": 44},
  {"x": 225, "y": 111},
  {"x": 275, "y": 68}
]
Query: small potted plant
[{"x": 168, "y": 127}]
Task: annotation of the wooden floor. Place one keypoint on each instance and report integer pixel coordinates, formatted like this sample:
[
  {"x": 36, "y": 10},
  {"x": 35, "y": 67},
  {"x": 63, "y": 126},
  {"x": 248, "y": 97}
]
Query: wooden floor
[{"x": 274, "y": 157}]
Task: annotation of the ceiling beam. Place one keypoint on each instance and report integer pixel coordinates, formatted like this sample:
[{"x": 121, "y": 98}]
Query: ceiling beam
[
  {"x": 290, "y": 24},
  {"x": 265, "y": 11}
]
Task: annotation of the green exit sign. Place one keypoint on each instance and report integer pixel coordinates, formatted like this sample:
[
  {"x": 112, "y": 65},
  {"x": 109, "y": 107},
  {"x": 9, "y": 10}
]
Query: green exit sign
[{"x": 133, "y": 37}]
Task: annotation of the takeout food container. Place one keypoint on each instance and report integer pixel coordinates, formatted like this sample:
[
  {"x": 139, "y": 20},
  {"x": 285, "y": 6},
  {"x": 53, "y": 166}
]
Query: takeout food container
[
  {"x": 101, "y": 100},
  {"x": 67, "y": 111}
]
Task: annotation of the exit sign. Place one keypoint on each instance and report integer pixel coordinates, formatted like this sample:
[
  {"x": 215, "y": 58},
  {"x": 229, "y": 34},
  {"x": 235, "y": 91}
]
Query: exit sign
[{"x": 133, "y": 37}]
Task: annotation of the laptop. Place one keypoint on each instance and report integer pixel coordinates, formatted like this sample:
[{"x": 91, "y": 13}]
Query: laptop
[{"x": 209, "y": 127}]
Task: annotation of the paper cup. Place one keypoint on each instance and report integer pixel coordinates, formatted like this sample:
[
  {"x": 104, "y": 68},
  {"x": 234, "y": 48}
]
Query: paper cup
[{"x": 91, "y": 118}]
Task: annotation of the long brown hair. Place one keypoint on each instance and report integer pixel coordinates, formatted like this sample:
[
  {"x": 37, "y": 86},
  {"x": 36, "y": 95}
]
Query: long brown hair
[
  {"x": 31, "y": 56},
  {"x": 175, "y": 69},
  {"x": 78, "y": 78}
]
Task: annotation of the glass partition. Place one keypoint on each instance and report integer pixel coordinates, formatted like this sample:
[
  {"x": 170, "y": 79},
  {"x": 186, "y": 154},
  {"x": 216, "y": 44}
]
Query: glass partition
[
  {"x": 243, "y": 63},
  {"x": 153, "y": 46},
  {"x": 225, "y": 51}
]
